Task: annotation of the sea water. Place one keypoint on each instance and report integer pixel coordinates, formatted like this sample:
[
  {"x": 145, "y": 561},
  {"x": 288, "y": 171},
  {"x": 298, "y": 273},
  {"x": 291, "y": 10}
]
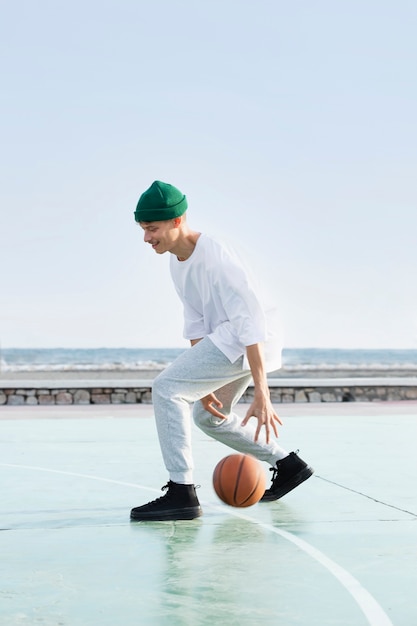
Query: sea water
[{"x": 112, "y": 359}]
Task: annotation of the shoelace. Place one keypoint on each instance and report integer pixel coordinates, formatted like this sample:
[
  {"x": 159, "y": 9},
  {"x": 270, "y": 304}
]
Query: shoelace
[
  {"x": 164, "y": 488},
  {"x": 274, "y": 471}
]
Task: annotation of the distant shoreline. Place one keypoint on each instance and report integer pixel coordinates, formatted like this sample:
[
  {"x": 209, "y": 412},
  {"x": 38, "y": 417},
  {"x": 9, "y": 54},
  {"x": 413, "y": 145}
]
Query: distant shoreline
[{"x": 131, "y": 374}]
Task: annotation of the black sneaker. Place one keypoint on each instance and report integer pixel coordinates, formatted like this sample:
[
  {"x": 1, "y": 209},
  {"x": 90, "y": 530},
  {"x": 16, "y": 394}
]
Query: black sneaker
[
  {"x": 287, "y": 474},
  {"x": 179, "y": 503}
]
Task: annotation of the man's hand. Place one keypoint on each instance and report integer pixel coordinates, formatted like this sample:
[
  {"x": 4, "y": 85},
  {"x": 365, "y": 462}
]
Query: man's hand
[
  {"x": 262, "y": 409},
  {"x": 209, "y": 402}
]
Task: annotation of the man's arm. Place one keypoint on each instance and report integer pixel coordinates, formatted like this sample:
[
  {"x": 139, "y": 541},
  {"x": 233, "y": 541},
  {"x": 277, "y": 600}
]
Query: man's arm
[
  {"x": 261, "y": 407},
  {"x": 194, "y": 341}
]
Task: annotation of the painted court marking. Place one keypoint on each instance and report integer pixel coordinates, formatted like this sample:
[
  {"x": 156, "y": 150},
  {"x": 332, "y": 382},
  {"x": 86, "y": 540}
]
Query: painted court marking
[
  {"x": 367, "y": 603},
  {"x": 373, "y": 612},
  {"x": 364, "y": 495}
]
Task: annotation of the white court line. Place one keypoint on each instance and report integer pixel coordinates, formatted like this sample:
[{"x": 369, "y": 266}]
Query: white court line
[
  {"x": 373, "y": 612},
  {"x": 367, "y": 603},
  {"x": 106, "y": 480}
]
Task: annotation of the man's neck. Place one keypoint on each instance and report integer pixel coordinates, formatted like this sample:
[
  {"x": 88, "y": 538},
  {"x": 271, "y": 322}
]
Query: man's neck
[{"x": 186, "y": 246}]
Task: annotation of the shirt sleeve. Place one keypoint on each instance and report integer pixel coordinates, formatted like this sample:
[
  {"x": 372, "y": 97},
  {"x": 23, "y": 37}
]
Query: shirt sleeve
[
  {"x": 193, "y": 323},
  {"x": 241, "y": 301}
]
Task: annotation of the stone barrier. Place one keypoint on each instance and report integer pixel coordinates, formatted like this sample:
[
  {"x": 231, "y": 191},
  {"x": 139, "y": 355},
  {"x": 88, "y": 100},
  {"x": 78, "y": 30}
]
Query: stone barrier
[{"x": 139, "y": 392}]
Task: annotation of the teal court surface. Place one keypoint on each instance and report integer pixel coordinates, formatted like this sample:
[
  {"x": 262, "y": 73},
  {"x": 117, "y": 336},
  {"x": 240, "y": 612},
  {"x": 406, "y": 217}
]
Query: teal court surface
[{"x": 339, "y": 550}]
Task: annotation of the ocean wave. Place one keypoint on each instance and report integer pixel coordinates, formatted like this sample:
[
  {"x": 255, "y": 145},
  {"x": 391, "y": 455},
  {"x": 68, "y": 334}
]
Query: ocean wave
[
  {"x": 85, "y": 367},
  {"x": 158, "y": 366},
  {"x": 308, "y": 360},
  {"x": 349, "y": 366}
]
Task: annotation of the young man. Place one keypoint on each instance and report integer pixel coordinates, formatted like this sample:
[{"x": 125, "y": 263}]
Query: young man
[{"x": 233, "y": 342}]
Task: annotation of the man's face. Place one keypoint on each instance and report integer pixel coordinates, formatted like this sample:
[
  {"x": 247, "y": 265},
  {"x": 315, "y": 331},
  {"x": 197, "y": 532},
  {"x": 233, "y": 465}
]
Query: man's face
[{"x": 162, "y": 236}]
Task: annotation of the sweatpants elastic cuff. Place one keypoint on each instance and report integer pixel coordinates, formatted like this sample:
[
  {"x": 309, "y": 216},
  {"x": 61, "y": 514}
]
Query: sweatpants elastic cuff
[{"x": 181, "y": 478}]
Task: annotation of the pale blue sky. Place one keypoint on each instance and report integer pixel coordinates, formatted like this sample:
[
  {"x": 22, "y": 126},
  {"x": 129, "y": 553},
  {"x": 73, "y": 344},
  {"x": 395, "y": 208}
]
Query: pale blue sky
[{"x": 291, "y": 128}]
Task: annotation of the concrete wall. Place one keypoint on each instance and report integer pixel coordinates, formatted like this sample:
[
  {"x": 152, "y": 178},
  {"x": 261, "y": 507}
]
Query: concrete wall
[{"x": 133, "y": 392}]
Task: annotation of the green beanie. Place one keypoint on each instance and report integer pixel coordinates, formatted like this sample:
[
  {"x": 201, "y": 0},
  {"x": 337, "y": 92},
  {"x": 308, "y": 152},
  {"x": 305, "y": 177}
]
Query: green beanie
[{"x": 160, "y": 202}]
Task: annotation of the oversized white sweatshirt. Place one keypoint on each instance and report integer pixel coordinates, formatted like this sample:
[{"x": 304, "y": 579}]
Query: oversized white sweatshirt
[{"x": 221, "y": 302}]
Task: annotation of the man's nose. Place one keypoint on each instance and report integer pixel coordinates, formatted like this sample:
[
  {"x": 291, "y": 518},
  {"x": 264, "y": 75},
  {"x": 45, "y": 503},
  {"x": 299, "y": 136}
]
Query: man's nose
[{"x": 147, "y": 237}]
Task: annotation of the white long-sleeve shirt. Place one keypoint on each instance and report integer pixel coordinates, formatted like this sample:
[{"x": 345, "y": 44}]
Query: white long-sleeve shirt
[{"x": 221, "y": 302}]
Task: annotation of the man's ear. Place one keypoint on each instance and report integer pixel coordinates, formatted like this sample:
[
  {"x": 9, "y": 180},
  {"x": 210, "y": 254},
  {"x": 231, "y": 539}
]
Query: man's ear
[{"x": 177, "y": 221}]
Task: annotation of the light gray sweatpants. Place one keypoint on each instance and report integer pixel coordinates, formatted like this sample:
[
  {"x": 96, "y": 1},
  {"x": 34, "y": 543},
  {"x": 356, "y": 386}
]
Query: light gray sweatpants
[{"x": 197, "y": 372}]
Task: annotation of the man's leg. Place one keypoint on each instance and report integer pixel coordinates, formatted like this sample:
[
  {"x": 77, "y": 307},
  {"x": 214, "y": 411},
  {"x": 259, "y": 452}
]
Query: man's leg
[
  {"x": 201, "y": 370},
  {"x": 197, "y": 372},
  {"x": 289, "y": 470},
  {"x": 230, "y": 431}
]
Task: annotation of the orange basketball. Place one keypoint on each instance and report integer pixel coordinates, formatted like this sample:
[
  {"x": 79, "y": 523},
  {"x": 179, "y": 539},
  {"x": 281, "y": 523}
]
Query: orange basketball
[{"x": 239, "y": 480}]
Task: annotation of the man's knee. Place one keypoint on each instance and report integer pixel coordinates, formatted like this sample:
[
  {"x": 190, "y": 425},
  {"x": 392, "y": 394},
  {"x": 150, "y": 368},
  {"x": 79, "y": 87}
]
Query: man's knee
[
  {"x": 161, "y": 387},
  {"x": 168, "y": 388},
  {"x": 199, "y": 414}
]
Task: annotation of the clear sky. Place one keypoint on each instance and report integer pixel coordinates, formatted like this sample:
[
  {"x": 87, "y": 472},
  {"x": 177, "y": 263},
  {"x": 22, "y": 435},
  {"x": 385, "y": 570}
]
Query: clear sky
[{"x": 290, "y": 126}]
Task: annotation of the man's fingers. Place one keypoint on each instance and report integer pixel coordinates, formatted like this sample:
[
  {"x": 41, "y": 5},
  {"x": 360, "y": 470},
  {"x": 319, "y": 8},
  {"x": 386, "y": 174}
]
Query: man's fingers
[
  {"x": 275, "y": 429},
  {"x": 210, "y": 408},
  {"x": 268, "y": 423},
  {"x": 277, "y": 419},
  {"x": 210, "y": 402}
]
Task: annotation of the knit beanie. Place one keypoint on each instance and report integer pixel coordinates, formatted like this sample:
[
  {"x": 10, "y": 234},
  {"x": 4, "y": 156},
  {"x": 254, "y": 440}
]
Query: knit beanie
[{"x": 160, "y": 202}]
